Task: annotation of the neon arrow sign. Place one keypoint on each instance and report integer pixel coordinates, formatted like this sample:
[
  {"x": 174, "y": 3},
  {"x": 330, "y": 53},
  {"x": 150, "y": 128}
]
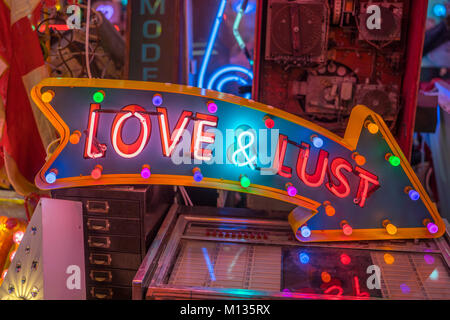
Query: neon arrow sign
[{"x": 128, "y": 132}]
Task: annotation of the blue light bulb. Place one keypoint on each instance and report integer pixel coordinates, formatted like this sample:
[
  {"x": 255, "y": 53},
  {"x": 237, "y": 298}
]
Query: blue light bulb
[
  {"x": 413, "y": 195},
  {"x": 50, "y": 177},
  {"x": 317, "y": 142},
  {"x": 304, "y": 258},
  {"x": 439, "y": 10},
  {"x": 305, "y": 232},
  {"x": 157, "y": 100},
  {"x": 198, "y": 176}
]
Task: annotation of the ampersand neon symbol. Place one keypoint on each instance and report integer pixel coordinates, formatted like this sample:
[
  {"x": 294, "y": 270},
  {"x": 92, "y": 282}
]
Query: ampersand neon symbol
[{"x": 242, "y": 148}]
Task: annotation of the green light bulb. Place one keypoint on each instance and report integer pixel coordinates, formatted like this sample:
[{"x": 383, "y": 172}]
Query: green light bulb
[
  {"x": 394, "y": 161},
  {"x": 98, "y": 96},
  {"x": 245, "y": 182}
]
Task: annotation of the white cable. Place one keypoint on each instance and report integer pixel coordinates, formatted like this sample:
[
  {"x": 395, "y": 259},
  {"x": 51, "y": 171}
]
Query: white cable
[{"x": 86, "y": 44}]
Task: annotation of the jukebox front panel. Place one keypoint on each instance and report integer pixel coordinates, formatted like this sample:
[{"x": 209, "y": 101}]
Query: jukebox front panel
[{"x": 217, "y": 257}]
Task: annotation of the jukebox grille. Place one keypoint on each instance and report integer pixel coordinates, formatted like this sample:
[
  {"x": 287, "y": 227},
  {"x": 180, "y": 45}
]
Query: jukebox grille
[{"x": 227, "y": 265}]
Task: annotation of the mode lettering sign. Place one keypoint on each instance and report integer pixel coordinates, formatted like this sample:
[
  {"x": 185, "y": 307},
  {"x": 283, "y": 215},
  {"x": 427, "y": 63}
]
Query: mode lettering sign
[{"x": 128, "y": 132}]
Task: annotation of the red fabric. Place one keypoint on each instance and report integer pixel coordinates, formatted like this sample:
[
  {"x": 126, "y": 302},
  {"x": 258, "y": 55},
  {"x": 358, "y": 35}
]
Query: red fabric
[{"x": 20, "y": 48}]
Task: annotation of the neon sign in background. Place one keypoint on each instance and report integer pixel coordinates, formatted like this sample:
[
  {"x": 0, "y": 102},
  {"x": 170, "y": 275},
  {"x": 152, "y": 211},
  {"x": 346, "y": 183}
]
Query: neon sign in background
[
  {"x": 226, "y": 63},
  {"x": 361, "y": 186}
]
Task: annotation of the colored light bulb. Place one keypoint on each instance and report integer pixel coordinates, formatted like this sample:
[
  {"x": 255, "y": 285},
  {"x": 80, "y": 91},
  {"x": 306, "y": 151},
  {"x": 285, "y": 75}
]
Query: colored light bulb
[
  {"x": 413, "y": 195},
  {"x": 305, "y": 232},
  {"x": 345, "y": 259},
  {"x": 75, "y": 137},
  {"x": 359, "y": 159},
  {"x": 391, "y": 229},
  {"x": 18, "y": 236},
  {"x": 439, "y": 10},
  {"x": 212, "y": 107},
  {"x": 198, "y": 176},
  {"x": 157, "y": 100},
  {"x": 245, "y": 181},
  {"x": 346, "y": 228},
  {"x": 393, "y": 160},
  {"x": 432, "y": 227},
  {"x": 329, "y": 209},
  {"x": 51, "y": 176},
  {"x": 317, "y": 142},
  {"x": 291, "y": 190},
  {"x": 96, "y": 173},
  {"x": 145, "y": 172},
  {"x": 268, "y": 122},
  {"x": 47, "y": 96},
  {"x": 99, "y": 96},
  {"x": 372, "y": 128},
  {"x": 303, "y": 257}
]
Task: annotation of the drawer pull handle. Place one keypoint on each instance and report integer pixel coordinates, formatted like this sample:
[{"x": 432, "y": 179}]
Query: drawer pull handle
[
  {"x": 97, "y": 244},
  {"x": 102, "y": 295},
  {"x": 100, "y": 259},
  {"x": 101, "y": 276},
  {"x": 97, "y": 206},
  {"x": 105, "y": 227}
]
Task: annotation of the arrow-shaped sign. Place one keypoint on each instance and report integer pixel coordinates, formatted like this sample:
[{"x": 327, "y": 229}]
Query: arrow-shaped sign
[{"x": 128, "y": 132}]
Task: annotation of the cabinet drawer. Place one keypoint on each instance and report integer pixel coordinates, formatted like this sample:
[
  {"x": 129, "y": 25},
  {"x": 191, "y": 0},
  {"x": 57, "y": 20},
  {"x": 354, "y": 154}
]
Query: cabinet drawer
[
  {"x": 111, "y": 208},
  {"x": 113, "y": 226},
  {"x": 108, "y": 293},
  {"x": 108, "y": 276},
  {"x": 114, "y": 260},
  {"x": 114, "y": 243}
]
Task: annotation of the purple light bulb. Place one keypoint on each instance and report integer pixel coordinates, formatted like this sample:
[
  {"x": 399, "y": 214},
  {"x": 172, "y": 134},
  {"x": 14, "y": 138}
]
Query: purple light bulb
[
  {"x": 145, "y": 173},
  {"x": 433, "y": 228},
  {"x": 212, "y": 107},
  {"x": 292, "y": 191}
]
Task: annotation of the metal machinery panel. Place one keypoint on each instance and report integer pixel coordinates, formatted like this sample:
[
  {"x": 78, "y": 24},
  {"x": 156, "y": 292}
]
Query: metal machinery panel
[
  {"x": 319, "y": 58},
  {"x": 205, "y": 253}
]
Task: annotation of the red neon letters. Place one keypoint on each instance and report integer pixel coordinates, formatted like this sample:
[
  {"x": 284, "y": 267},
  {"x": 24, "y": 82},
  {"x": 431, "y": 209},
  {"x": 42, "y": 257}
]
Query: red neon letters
[
  {"x": 168, "y": 144},
  {"x": 130, "y": 150},
  {"x": 278, "y": 160},
  {"x": 311, "y": 170},
  {"x": 314, "y": 180},
  {"x": 92, "y": 149},
  {"x": 342, "y": 188},
  {"x": 363, "y": 189}
]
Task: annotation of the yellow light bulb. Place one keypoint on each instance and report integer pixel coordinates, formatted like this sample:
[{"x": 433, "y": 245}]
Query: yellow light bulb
[{"x": 391, "y": 229}]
